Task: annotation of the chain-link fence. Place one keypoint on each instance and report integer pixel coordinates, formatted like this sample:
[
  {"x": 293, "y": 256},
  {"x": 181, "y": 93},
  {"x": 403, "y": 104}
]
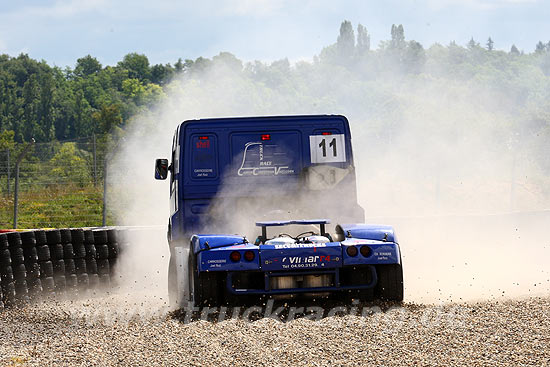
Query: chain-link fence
[{"x": 56, "y": 184}]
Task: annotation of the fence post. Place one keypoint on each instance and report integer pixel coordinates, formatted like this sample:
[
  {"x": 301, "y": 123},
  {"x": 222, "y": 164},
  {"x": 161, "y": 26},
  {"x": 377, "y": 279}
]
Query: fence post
[
  {"x": 16, "y": 189},
  {"x": 104, "y": 223},
  {"x": 95, "y": 162},
  {"x": 8, "y": 171}
]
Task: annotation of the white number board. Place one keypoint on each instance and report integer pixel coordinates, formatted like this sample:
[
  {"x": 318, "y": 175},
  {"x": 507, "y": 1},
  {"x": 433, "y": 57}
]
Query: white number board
[{"x": 327, "y": 148}]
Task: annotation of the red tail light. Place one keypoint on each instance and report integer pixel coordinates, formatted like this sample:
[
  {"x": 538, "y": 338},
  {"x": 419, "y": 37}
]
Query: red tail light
[
  {"x": 326, "y": 133},
  {"x": 249, "y": 255},
  {"x": 203, "y": 137},
  {"x": 352, "y": 251},
  {"x": 266, "y": 137},
  {"x": 365, "y": 251},
  {"x": 235, "y": 256}
]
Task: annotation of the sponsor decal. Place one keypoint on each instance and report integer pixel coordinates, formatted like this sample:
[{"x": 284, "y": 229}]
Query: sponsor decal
[{"x": 299, "y": 245}]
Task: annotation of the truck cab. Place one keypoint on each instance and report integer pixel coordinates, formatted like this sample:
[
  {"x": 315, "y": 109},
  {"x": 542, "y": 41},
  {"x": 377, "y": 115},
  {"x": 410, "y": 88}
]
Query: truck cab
[{"x": 296, "y": 165}]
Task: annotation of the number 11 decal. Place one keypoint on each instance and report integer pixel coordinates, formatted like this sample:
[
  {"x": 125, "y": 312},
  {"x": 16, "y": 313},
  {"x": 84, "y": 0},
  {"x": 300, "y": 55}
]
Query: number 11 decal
[{"x": 327, "y": 148}]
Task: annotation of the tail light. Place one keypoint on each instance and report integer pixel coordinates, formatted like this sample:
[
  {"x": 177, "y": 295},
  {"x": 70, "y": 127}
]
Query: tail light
[
  {"x": 235, "y": 256},
  {"x": 352, "y": 251},
  {"x": 249, "y": 255},
  {"x": 365, "y": 251}
]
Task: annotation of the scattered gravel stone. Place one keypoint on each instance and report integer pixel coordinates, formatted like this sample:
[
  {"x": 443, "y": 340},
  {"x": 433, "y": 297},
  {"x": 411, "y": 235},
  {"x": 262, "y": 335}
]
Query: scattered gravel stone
[{"x": 138, "y": 330}]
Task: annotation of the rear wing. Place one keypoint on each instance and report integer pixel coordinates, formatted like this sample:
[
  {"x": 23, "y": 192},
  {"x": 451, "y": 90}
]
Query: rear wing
[{"x": 321, "y": 222}]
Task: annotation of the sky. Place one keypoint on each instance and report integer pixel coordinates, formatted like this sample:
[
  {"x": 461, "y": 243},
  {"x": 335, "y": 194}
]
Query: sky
[{"x": 61, "y": 31}]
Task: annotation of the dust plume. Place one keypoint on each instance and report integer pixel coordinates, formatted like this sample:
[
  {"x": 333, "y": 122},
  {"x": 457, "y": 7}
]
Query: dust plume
[{"x": 439, "y": 157}]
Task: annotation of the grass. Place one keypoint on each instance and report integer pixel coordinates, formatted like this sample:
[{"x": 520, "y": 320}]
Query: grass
[{"x": 55, "y": 206}]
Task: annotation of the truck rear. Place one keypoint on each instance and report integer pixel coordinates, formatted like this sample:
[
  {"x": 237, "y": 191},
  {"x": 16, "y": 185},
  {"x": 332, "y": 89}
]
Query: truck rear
[{"x": 228, "y": 174}]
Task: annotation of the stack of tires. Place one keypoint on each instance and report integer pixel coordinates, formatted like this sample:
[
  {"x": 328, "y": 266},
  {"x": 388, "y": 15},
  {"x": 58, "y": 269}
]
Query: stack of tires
[
  {"x": 53, "y": 239},
  {"x": 44, "y": 261},
  {"x": 30, "y": 255},
  {"x": 18, "y": 266},
  {"x": 90, "y": 257},
  {"x": 7, "y": 284},
  {"x": 68, "y": 256},
  {"x": 113, "y": 246},
  {"x": 102, "y": 252},
  {"x": 79, "y": 250}
]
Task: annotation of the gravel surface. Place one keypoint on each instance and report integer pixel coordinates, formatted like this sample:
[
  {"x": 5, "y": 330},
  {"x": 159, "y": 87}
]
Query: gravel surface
[{"x": 124, "y": 329}]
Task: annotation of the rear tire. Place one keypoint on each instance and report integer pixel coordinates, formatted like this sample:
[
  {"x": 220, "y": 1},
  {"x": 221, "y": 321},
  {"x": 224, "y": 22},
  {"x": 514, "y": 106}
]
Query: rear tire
[{"x": 390, "y": 282}]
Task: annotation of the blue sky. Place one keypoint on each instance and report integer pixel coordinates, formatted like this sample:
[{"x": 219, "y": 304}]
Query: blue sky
[{"x": 60, "y": 31}]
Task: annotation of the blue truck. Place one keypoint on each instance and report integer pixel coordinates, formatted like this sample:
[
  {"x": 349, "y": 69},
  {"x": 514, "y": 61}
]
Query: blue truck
[{"x": 254, "y": 179}]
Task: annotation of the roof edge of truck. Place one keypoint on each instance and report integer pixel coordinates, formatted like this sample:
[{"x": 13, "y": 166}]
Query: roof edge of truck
[{"x": 264, "y": 118}]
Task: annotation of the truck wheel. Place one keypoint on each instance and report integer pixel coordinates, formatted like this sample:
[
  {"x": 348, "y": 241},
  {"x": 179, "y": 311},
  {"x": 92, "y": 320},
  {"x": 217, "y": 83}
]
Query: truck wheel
[{"x": 390, "y": 282}]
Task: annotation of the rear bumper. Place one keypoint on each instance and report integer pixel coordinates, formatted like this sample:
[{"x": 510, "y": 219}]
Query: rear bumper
[{"x": 337, "y": 282}]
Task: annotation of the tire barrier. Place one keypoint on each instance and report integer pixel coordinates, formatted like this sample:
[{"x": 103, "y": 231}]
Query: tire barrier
[{"x": 44, "y": 263}]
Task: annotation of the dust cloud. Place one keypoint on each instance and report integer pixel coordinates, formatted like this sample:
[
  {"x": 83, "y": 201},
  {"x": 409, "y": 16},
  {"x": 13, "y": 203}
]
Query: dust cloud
[{"x": 437, "y": 161}]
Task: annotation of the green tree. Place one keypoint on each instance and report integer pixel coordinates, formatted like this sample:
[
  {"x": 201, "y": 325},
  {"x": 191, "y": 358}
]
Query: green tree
[
  {"x": 70, "y": 165},
  {"x": 490, "y": 44},
  {"x": 397, "y": 37},
  {"x": 345, "y": 43},
  {"x": 514, "y": 50},
  {"x": 137, "y": 66},
  {"x": 363, "y": 40},
  {"x": 86, "y": 66}
]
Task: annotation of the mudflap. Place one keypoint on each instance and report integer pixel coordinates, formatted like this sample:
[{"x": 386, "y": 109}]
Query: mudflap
[{"x": 183, "y": 289}]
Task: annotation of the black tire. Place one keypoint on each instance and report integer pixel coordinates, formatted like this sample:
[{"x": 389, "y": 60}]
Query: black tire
[
  {"x": 113, "y": 250},
  {"x": 65, "y": 234},
  {"x": 72, "y": 280},
  {"x": 79, "y": 250},
  {"x": 28, "y": 239},
  {"x": 77, "y": 236},
  {"x": 53, "y": 237},
  {"x": 48, "y": 284},
  {"x": 30, "y": 254},
  {"x": 100, "y": 236},
  {"x": 8, "y": 291},
  {"x": 112, "y": 235},
  {"x": 80, "y": 266},
  {"x": 70, "y": 267},
  {"x": 68, "y": 251},
  {"x": 14, "y": 239},
  {"x": 105, "y": 280},
  {"x": 93, "y": 281},
  {"x": 88, "y": 236},
  {"x": 43, "y": 252},
  {"x": 46, "y": 269},
  {"x": 5, "y": 258},
  {"x": 102, "y": 251},
  {"x": 91, "y": 252},
  {"x": 21, "y": 286},
  {"x": 19, "y": 271},
  {"x": 58, "y": 267},
  {"x": 35, "y": 287},
  {"x": 17, "y": 255},
  {"x": 40, "y": 236},
  {"x": 83, "y": 281},
  {"x": 60, "y": 283},
  {"x": 103, "y": 267},
  {"x": 390, "y": 282},
  {"x": 56, "y": 251},
  {"x": 3, "y": 241},
  {"x": 6, "y": 275},
  {"x": 91, "y": 266},
  {"x": 206, "y": 287},
  {"x": 33, "y": 270}
]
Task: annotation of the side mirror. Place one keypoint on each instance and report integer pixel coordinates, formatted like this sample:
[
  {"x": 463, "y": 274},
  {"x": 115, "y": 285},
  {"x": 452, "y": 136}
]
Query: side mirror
[{"x": 161, "y": 169}]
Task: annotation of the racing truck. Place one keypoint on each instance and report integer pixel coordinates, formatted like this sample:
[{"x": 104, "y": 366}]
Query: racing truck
[{"x": 253, "y": 205}]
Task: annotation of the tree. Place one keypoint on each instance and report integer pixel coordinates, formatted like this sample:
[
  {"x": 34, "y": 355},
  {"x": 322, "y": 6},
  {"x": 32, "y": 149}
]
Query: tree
[
  {"x": 397, "y": 37},
  {"x": 346, "y": 40},
  {"x": 514, "y": 50},
  {"x": 472, "y": 44},
  {"x": 490, "y": 44},
  {"x": 137, "y": 66},
  {"x": 363, "y": 40},
  {"x": 540, "y": 47},
  {"x": 70, "y": 165},
  {"x": 87, "y": 65},
  {"x": 107, "y": 118}
]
